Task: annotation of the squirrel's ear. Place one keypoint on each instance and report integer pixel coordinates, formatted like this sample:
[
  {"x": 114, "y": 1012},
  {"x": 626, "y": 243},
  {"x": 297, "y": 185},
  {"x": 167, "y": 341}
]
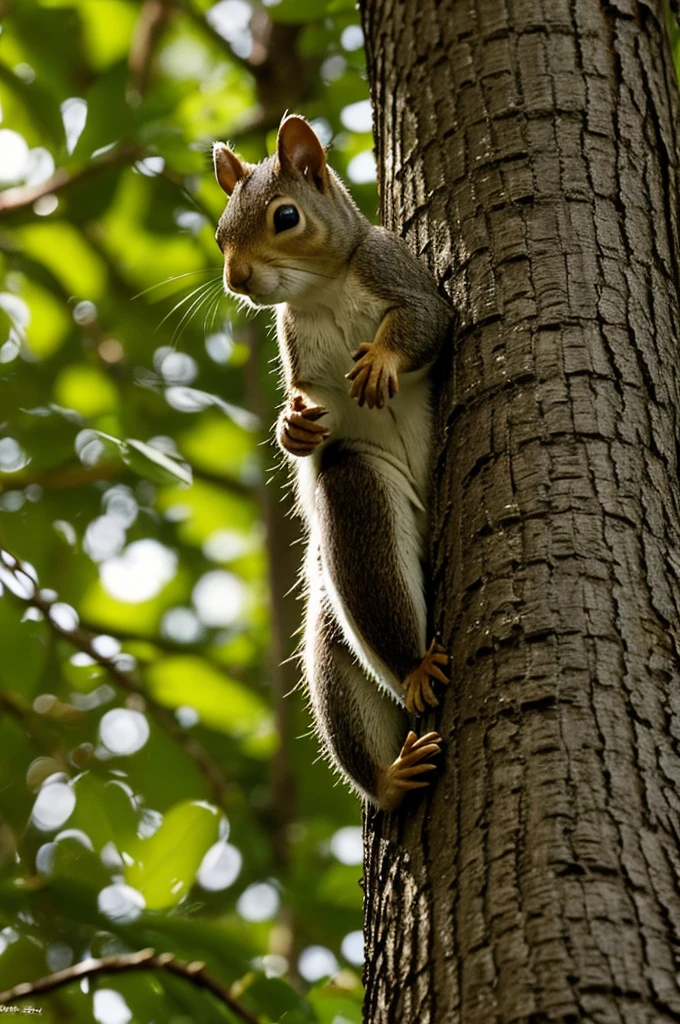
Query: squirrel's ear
[
  {"x": 228, "y": 168},
  {"x": 298, "y": 149}
]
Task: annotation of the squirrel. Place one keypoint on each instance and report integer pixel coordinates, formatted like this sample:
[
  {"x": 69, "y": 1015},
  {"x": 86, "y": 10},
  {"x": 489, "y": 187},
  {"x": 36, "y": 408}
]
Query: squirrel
[{"x": 360, "y": 437}]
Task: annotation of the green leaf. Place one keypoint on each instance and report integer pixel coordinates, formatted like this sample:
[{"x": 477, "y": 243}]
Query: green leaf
[
  {"x": 110, "y": 119},
  {"x": 23, "y": 651},
  {"x": 64, "y": 251},
  {"x": 218, "y": 445},
  {"x": 105, "y": 812},
  {"x": 154, "y": 464},
  {"x": 73, "y": 861},
  {"x": 221, "y": 702},
  {"x": 274, "y": 997},
  {"x": 21, "y": 960},
  {"x": 107, "y": 27},
  {"x": 42, "y": 106},
  {"x": 210, "y": 508},
  {"x": 192, "y": 937},
  {"x": 94, "y": 446},
  {"x": 141, "y": 617},
  {"x": 6, "y": 324},
  {"x": 85, "y": 389},
  {"x": 164, "y": 866},
  {"x": 49, "y": 323},
  {"x": 332, "y": 1006},
  {"x": 194, "y": 400},
  {"x": 340, "y": 885}
]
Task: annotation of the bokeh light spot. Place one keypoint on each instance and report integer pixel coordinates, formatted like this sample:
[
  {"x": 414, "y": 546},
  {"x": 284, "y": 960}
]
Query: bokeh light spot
[
  {"x": 259, "y": 902},
  {"x": 123, "y": 732}
]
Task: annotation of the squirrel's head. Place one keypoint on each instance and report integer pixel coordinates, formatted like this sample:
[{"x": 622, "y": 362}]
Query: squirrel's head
[{"x": 290, "y": 224}]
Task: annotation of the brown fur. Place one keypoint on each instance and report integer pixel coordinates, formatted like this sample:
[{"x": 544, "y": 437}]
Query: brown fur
[{"x": 346, "y": 291}]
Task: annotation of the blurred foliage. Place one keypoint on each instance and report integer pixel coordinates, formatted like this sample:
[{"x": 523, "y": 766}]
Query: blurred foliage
[{"x": 159, "y": 785}]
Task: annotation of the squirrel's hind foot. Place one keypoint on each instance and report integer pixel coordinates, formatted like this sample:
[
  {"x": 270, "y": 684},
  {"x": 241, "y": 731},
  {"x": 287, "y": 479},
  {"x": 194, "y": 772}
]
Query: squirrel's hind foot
[
  {"x": 418, "y": 684},
  {"x": 403, "y": 774}
]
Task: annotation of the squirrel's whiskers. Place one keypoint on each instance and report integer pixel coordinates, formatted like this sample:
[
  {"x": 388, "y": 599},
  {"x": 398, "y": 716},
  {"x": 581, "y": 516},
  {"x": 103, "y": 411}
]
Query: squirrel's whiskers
[
  {"x": 204, "y": 292},
  {"x": 171, "y": 279}
]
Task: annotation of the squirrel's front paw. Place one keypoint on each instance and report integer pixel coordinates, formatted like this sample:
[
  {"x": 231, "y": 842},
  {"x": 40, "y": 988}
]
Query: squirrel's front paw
[
  {"x": 376, "y": 374},
  {"x": 298, "y": 431}
]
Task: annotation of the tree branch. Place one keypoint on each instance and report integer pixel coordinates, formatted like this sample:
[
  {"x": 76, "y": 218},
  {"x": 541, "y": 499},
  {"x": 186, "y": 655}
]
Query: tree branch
[
  {"x": 25, "y": 195},
  {"x": 163, "y": 717},
  {"x": 200, "y": 21},
  {"x": 145, "y": 960},
  {"x": 77, "y": 475},
  {"x": 64, "y": 477},
  {"x": 151, "y": 24},
  {"x": 268, "y": 63},
  {"x": 230, "y": 484}
]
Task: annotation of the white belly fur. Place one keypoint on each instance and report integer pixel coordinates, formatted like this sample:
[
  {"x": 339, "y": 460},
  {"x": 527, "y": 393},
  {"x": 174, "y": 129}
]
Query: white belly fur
[{"x": 396, "y": 438}]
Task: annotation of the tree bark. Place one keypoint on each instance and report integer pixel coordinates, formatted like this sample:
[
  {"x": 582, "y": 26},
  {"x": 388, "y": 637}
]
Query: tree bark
[{"x": 528, "y": 150}]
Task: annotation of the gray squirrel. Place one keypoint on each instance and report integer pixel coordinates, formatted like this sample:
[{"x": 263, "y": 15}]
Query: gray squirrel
[{"x": 360, "y": 439}]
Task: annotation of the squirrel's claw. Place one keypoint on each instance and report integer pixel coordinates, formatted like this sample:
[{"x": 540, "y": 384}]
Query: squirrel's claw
[
  {"x": 376, "y": 375},
  {"x": 361, "y": 351},
  {"x": 299, "y": 433},
  {"x": 418, "y": 684},
  {"x": 309, "y": 412},
  {"x": 402, "y": 774}
]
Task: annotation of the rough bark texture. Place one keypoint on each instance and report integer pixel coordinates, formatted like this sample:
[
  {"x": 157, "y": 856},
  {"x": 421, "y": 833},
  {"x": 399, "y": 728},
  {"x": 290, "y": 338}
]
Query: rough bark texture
[{"x": 528, "y": 150}]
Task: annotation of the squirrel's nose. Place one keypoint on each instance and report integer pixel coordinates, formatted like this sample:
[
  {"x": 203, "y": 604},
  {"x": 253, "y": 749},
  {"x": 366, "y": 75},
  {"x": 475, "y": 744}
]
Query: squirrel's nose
[{"x": 238, "y": 275}]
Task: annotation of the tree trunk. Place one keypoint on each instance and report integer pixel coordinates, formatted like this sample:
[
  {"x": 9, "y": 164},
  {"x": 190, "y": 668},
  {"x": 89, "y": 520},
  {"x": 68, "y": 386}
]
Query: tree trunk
[{"x": 528, "y": 150}]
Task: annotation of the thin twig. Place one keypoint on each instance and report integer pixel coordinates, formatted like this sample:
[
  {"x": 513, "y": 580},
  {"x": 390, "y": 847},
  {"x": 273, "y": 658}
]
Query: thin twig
[
  {"x": 200, "y": 21},
  {"x": 34, "y": 725},
  {"x": 179, "y": 181},
  {"x": 145, "y": 960},
  {"x": 63, "y": 478},
  {"x": 77, "y": 475},
  {"x": 231, "y": 484},
  {"x": 269, "y": 64},
  {"x": 163, "y": 717},
  {"x": 151, "y": 24},
  {"x": 24, "y": 195}
]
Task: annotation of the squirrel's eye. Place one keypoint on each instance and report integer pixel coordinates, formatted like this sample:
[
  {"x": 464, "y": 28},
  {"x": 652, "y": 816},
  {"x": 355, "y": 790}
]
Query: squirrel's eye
[{"x": 285, "y": 217}]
